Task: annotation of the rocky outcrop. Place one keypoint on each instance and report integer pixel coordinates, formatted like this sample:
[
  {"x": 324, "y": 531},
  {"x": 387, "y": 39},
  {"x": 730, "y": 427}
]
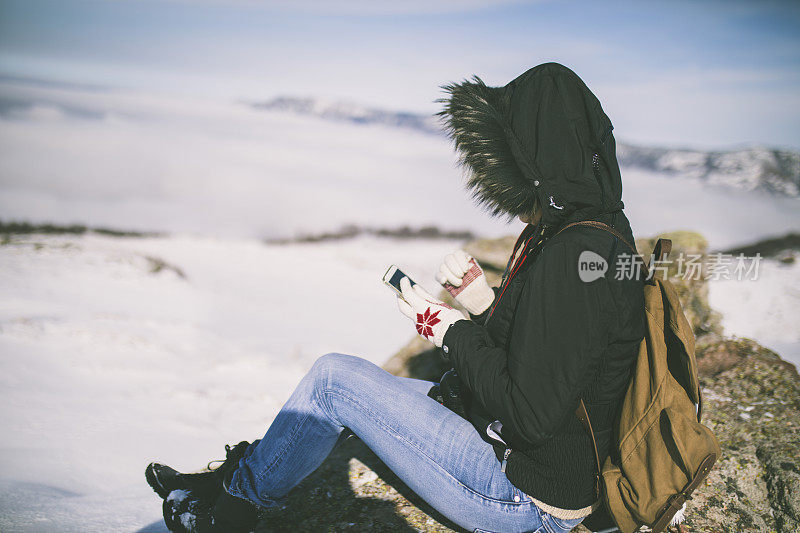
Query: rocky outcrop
[
  {"x": 753, "y": 406},
  {"x": 751, "y": 401}
]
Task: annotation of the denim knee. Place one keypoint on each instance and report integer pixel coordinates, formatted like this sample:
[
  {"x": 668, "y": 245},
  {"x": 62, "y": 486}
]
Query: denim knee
[
  {"x": 336, "y": 361},
  {"x": 336, "y": 369},
  {"x": 326, "y": 367},
  {"x": 328, "y": 362},
  {"x": 329, "y": 373}
]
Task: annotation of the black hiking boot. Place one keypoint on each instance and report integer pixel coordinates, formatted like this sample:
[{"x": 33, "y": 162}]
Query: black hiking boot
[
  {"x": 164, "y": 479},
  {"x": 185, "y": 513},
  {"x": 189, "y": 498}
]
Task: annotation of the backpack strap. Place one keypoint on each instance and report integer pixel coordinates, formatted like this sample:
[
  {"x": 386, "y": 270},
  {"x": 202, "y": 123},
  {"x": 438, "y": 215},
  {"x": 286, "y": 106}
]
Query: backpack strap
[
  {"x": 660, "y": 251},
  {"x": 583, "y": 416},
  {"x": 676, "y": 502},
  {"x": 662, "y": 248},
  {"x": 600, "y": 225},
  {"x": 580, "y": 411}
]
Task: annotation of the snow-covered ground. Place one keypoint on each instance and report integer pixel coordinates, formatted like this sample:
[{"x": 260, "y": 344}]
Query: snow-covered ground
[
  {"x": 106, "y": 365},
  {"x": 767, "y": 309}
]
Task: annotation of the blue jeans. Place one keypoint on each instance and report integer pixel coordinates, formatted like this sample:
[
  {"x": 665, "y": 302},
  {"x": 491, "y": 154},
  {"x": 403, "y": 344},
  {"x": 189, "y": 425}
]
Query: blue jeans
[{"x": 438, "y": 454}]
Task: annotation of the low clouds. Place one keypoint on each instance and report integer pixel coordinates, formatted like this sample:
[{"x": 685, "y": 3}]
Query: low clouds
[
  {"x": 155, "y": 163},
  {"x": 133, "y": 160}
]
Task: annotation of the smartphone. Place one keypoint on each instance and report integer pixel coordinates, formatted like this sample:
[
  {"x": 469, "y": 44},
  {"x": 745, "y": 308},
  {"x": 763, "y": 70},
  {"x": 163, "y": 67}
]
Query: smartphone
[{"x": 392, "y": 279}]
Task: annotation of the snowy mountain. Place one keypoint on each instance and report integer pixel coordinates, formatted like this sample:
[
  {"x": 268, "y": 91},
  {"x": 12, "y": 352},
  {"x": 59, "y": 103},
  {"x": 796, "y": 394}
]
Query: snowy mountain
[
  {"x": 756, "y": 168},
  {"x": 752, "y": 169},
  {"x": 351, "y": 112}
]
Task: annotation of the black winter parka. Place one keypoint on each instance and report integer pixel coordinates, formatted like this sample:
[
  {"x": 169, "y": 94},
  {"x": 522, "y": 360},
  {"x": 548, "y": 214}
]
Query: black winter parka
[{"x": 549, "y": 338}]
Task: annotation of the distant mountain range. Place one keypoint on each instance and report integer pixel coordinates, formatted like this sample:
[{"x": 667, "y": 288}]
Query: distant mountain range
[
  {"x": 754, "y": 168},
  {"x": 351, "y": 112}
]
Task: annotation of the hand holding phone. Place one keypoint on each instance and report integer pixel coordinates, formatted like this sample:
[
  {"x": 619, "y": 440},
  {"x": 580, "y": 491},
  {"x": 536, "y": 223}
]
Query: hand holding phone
[
  {"x": 392, "y": 279},
  {"x": 431, "y": 316}
]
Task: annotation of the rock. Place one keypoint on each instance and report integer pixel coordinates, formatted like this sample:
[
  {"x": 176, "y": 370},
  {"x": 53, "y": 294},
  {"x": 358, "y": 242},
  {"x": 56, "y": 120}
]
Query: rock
[
  {"x": 753, "y": 407},
  {"x": 714, "y": 358},
  {"x": 751, "y": 401},
  {"x": 417, "y": 359}
]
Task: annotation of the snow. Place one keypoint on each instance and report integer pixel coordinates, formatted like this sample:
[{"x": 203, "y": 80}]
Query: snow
[
  {"x": 106, "y": 365},
  {"x": 746, "y": 168},
  {"x": 766, "y": 309}
]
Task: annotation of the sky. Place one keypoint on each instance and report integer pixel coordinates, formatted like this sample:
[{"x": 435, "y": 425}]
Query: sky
[{"x": 709, "y": 74}]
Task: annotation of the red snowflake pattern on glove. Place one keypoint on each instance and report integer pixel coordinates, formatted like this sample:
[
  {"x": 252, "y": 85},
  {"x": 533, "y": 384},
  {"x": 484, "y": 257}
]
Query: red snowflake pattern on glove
[{"x": 425, "y": 321}]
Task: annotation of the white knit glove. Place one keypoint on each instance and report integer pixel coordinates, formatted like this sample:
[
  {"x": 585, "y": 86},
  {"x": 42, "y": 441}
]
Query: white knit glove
[
  {"x": 464, "y": 279},
  {"x": 431, "y": 316}
]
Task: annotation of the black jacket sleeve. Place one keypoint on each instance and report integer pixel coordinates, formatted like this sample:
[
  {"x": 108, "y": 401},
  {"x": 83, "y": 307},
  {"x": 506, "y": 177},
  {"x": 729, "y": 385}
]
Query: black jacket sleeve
[{"x": 560, "y": 330}]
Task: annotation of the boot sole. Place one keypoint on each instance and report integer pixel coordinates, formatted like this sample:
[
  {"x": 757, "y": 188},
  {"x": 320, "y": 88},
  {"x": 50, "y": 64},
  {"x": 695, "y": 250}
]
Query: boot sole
[{"x": 151, "y": 476}]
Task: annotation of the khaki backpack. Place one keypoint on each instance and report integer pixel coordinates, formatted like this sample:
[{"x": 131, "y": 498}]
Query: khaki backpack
[{"x": 664, "y": 451}]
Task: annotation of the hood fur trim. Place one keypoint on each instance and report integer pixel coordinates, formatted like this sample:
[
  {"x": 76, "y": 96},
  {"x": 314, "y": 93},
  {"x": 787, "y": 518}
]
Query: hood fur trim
[{"x": 474, "y": 117}]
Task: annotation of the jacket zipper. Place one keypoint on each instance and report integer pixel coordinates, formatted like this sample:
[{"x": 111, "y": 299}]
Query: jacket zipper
[
  {"x": 505, "y": 460},
  {"x": 596, "y": 170}
]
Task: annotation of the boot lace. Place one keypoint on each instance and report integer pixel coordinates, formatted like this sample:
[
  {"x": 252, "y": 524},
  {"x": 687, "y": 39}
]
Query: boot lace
[{"x": 220, "y": 462}]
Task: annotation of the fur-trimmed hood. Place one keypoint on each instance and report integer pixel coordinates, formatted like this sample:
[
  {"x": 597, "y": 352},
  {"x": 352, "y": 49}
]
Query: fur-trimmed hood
[{"x": 543, "y": 135}]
